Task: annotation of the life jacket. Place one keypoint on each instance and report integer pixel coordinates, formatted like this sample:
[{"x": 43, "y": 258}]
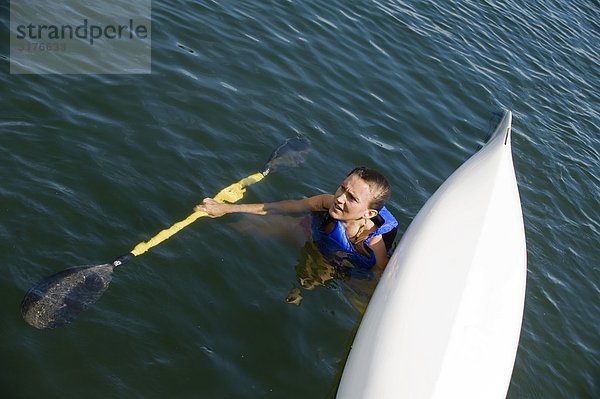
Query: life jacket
[{"x": 340, "y": 252}]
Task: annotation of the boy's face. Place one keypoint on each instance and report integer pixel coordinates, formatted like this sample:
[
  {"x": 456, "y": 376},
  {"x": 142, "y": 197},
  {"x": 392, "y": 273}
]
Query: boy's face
[{"x": 351, "y": 200}]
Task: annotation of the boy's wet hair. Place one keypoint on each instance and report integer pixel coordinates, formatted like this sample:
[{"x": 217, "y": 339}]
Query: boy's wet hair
[{"x": 380, "y": 188}]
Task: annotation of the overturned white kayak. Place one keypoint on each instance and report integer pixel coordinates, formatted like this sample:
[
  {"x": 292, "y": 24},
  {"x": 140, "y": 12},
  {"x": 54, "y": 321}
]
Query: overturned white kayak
[{"x": 445, "y": 319}]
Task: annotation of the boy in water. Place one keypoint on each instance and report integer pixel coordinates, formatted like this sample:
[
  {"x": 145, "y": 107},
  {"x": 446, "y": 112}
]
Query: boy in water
[{"x": 352, "y": 228}]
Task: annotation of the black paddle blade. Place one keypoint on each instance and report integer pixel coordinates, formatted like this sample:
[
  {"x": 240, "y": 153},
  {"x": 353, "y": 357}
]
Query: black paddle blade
[
  {"x": 291, "y": 153},
  {"x": 57, "y": 300}
]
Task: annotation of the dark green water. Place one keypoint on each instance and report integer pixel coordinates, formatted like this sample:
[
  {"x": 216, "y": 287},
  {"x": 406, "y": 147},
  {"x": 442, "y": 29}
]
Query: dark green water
[{"x": 91, "y": 165}]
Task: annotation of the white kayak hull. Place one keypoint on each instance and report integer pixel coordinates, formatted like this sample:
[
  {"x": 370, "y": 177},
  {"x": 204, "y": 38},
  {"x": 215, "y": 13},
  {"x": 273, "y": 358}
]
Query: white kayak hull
[{"x": 445, "y": 319}]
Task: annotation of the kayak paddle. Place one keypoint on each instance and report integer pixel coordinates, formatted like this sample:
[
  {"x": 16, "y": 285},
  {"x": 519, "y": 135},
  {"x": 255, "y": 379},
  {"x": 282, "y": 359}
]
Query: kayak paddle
[{"x": 58, "y": 299}]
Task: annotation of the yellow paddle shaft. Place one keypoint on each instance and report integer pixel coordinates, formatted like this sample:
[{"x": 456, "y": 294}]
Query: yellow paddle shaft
[{"x": 230, "y": 194}]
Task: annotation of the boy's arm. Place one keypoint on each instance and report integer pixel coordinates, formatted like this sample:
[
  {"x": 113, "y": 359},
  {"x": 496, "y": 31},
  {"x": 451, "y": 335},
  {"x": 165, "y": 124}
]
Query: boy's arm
[
  {"x": 381, "y": 256},
  {"x": 316, "y": 203}
]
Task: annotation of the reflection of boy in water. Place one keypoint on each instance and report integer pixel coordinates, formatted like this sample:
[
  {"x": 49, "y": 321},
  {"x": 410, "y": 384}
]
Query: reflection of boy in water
[
  {"x": 312, "y": 271},
  {"x": 352, "y": 229}
]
